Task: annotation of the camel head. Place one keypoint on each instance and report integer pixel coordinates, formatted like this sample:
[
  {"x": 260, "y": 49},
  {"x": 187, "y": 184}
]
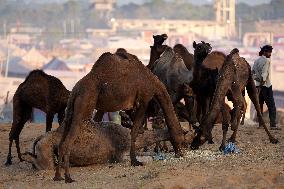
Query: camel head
[
  {"x": 201, "y": 49},
  {"x": 159, "y": 39},
  {"x": 120, "y": 50}
]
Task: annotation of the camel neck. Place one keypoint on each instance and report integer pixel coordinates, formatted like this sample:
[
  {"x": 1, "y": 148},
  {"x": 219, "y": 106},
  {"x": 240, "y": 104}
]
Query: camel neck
[{"x": 153, "y": 57}]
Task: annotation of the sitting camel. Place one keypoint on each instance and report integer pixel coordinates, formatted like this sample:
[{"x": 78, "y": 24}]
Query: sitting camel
[
  {"x": 98, "y": 143},
  {"x": 41, "y": 91},
  {"x": 235, "y": 75},
  {"x": 115, "y": 83}
]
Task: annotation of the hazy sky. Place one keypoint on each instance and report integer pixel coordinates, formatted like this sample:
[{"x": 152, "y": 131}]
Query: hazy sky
[
  {"x": 121, "y": 2},
  {"x": 251, "y": 2}
]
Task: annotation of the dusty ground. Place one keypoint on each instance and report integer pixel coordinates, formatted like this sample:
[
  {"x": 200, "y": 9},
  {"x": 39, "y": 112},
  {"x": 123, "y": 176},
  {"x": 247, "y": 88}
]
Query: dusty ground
[{"x": 259, "y": 165}]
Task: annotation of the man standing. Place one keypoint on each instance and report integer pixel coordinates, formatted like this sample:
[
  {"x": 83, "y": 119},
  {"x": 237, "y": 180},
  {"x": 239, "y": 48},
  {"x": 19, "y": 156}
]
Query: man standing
[{"x": 262, "y": 75}]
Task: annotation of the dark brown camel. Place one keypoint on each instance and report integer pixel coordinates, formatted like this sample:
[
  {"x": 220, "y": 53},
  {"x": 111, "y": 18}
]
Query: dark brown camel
[
  {"x": 186, "y": 56},
  {"x": 204, "y": 77},
  {"x": 155, "y": 54},
  {"x": 41, "y": 91},
  {"x": 234, "y": 77},
  {"x": 98, "y": 143},
  {"x": 205, "y": 73},
  {"x": 113, "y": 84}
]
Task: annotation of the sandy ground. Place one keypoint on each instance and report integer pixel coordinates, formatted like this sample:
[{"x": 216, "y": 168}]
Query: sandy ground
[{"x": 259, "y": 165}]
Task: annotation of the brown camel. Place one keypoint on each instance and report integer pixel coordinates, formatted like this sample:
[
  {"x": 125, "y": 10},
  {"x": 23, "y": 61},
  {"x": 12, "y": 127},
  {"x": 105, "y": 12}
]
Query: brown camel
[
  {"x": 98, "y": 143},
  {"x": 113, "y": 84},
  {"x": 186, "y": 56},
  {"x": 41, "y": 91},
  {"x": 234, "y": 77}
]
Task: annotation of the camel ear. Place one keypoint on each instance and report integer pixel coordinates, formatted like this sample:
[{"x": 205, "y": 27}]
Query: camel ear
[
  {"x": 194, "y": 44},
  {"x": 165, "y": 36}
]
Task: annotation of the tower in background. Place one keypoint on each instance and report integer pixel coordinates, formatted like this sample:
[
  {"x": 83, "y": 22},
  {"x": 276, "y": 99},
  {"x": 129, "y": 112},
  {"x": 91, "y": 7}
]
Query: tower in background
[
  {"x": 226, "y": 14},
  {"x": 104, "y": 7}
]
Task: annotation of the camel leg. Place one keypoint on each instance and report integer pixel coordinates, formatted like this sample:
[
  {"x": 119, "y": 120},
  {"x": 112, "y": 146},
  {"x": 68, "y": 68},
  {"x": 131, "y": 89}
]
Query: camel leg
[
  {"x": 18, "y": 148},
  {"x": 49, "y": 119},
  {"x": 68, "y": 179},
  {"x": 9, "y": 156},
  {"x": 79, "y": 110},
  {"x": 238, "y": 106},
  {"x": 243, "y": 111},
  {"x": 20, "y": 117},
  {"x": 253, "y": 95},
  {"x": 57, "y": 176},
  {"x": 189, "y": 106},
  {"x": 60, "y": 116},
  {"x": 225, "y": 125},
  {"x": 138, "y": 121}
]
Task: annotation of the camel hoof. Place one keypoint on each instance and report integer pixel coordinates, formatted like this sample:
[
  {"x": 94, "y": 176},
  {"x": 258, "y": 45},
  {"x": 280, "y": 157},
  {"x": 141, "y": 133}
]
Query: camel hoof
[
  {"x": 274, "y": 140},
  {"x": 232, "y": 140},
  {"x": 221, "y": 148},
  {"x": 8, "y": 162},
  {"x": 68, "y": 179},
  {"x": 58, "y": 178},
  {"x": 136, "y": 163}
]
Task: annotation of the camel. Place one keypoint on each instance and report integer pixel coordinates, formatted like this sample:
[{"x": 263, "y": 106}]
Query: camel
[
  {"x": 172, "y": 71},
  {"x": 186, "y": 56},
  {"x": 235, "y": 75},
  {"x": 115, "y": 83},
  {"x": 98, "y": 143},
  {"x": 206, "y": 68},
  {"x": 155, "y": 54},
  {"x": 41, "y": 91},
  {"x": 204, "y": 77}
]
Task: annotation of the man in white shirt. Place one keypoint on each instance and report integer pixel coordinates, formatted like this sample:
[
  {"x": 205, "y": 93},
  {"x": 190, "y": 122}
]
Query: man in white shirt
[{"x": 262, "y": 75}]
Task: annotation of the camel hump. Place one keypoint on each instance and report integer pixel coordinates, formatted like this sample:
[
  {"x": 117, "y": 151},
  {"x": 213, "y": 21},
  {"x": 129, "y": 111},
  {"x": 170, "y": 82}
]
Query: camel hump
[
  {"x": 35, "y": 72},
  {"x": 234, "y": 51},
  {"x": 214, "y": 60},
  {"x": 180, "y": 48},
  {"x": 120, "y": 50}
]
